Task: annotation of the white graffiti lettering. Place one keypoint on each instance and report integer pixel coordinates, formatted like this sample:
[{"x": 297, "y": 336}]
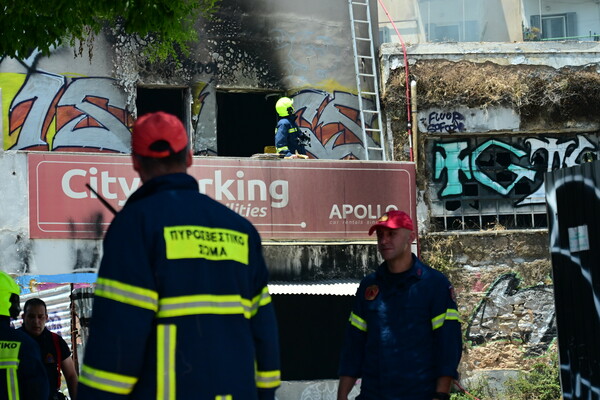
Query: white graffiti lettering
[
  {"x": 112, "y": 134},
  {"x": 39, "y": 90},
  {"x": 86, "y": 113}
]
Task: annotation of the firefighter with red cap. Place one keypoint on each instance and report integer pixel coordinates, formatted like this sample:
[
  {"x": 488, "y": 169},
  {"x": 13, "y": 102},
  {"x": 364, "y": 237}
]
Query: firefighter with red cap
[
  {"x": 22, "y": 374},
  {"x": 403, "y": 337},
  {"x": 181, "y": 307}
]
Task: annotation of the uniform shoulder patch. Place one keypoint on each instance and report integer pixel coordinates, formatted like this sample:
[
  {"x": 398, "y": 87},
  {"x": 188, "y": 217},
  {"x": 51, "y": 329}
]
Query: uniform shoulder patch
[{"x": 371, "y": 292}]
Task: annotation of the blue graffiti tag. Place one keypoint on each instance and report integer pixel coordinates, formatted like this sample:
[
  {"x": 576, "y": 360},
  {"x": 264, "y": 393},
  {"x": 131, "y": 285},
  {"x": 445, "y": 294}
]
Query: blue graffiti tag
[{"x": 455, "y": 163}]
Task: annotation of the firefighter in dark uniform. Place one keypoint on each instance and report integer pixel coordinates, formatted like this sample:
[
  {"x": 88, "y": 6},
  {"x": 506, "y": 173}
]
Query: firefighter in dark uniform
[
  {"x": 181, "y": 307},
  {"x": 290, "y": 141},
  {"x": 403, "y": 337},
  {"x": 22, "y": 374}
]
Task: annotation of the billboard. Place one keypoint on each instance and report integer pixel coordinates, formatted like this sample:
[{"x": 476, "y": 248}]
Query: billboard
[{"x": 284, "y": 199}]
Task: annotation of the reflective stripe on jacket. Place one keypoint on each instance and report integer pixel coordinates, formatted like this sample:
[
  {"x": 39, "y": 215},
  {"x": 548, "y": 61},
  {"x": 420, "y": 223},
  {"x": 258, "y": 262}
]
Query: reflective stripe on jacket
[
  {"x": 403, "y": 333},
  {"x": 286, "y": 137},
  {"x": 182, "y": 296},
  {"x": 22, "y": 374}
]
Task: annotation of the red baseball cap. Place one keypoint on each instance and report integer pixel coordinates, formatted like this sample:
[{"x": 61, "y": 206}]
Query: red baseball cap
[
  {"x": 394, "y": 220},
  {"x": 158, "y": 135}
]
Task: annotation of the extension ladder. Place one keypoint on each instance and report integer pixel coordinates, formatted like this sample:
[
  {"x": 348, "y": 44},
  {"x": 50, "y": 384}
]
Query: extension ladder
[{"x": 365, "y": 67}]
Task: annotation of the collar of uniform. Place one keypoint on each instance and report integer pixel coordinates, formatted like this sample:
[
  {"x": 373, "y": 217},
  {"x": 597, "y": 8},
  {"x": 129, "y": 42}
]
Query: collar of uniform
[
  {"x": 415, "y": 270},
  {"x": 162, "y": 183}
]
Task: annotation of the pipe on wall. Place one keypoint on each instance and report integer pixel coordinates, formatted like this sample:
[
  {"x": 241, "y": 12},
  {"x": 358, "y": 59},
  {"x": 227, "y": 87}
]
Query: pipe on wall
[{"x": 415, "y": 124}]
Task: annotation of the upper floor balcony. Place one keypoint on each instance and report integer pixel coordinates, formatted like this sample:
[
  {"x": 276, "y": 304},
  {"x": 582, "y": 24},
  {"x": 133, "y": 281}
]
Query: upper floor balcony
[{"x": 427, "y": 21}]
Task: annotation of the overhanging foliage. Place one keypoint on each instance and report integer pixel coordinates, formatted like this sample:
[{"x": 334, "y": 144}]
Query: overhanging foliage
[{"x": 165, "y": 25}]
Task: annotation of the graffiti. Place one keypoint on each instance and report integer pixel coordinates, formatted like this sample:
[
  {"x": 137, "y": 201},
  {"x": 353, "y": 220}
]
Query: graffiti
[
  {"x": 333, "y": 123},
  {"x": 573, "y": 195},
  {"x": 448, "y": 122},
  {"x": 326, "y": 390},
  {"x": 510, "y": 313},
  {"x": 503, "y": 167},
  {"x": 54, "y": 322},
  {"x": 47, "y": 112}
]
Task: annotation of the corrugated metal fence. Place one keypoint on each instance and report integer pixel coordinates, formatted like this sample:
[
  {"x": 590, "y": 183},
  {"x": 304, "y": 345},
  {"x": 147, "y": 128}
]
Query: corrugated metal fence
[{"x": 573, "y": 198}]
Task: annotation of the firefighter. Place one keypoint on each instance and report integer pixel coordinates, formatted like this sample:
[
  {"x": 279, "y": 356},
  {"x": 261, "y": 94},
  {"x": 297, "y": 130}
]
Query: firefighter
[
  {"x": 290, "y": 141},
  {"x": 21, "y": 368},
  {"x": 181, "y": 307},
  {"x": 403, "y": 337}
]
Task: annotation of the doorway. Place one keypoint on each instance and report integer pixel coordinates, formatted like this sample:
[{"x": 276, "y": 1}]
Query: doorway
[{"x": 245, "y": 123}]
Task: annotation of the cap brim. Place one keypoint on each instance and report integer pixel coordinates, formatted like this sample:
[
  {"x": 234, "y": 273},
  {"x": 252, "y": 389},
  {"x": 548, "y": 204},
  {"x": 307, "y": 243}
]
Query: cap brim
[{"x": 373, "y": 229}]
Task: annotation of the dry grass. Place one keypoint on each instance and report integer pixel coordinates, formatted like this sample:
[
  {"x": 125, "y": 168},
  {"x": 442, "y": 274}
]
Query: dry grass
[{"x": 568, "y": 93}]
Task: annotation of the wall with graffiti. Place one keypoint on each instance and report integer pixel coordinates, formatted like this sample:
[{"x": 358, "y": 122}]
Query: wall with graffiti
[
  {"x": 479, "y": 181},
  {"x": 505, "y": 294},
  {"x": 513, "y": 313},
  {"x": 62, "y": 103},
  {"x": 332, "y": 120},
  {"x": 51, "y": 112},
  {"x": 460, "y": 119}
]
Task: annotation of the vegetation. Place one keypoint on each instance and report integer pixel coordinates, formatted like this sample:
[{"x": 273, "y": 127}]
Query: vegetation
[
  {"x": 536, "y": 93},
  {"x": 437, "y": 252},
  {"x": 165, "y": 27},
  {"x": 542, "y": 382},
  {"x": 480, "y": 391}
]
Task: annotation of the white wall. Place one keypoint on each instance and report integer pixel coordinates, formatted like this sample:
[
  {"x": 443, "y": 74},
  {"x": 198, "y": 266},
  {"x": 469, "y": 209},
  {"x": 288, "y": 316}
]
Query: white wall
[{"x": 18, "y": 253}]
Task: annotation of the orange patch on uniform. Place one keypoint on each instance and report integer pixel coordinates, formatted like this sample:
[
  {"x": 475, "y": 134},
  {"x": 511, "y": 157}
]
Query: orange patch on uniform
[{"x": 371, "y": 292}]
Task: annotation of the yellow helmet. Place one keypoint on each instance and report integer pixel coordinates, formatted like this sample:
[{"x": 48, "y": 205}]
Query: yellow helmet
[
  {"x": 8, "y": 286},
  {"x": 284, "y": 106}
]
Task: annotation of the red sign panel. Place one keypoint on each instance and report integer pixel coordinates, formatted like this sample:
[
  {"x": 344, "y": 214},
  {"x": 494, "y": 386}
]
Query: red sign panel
[{"x": 284, "y": 199}]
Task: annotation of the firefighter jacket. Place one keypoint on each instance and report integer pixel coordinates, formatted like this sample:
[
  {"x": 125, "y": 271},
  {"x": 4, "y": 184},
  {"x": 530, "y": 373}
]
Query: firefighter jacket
[
  {"x": 181, "y": 307},
  {"x": 287, "y": 137},
  {"x": 403, "y": 334},
  {"x": 22, "y": 374}
]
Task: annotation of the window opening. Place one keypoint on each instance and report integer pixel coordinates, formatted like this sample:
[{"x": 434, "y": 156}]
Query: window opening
[
  {"x": 171, "y": 100},
  {"x": 245, "y": 123}
]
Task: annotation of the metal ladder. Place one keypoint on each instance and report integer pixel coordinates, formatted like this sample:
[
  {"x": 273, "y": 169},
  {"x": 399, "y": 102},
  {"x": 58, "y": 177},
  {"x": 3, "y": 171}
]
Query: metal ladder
[{"x": 360, "y": 20}]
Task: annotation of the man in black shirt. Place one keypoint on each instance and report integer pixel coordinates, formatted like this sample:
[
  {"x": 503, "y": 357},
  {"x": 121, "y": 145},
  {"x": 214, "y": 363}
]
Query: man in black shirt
[{"x": 56, "y": 354}]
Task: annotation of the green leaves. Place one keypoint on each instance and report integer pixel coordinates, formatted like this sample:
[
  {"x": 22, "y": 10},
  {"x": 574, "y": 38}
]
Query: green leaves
[{"x": 166, "y": 24}]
